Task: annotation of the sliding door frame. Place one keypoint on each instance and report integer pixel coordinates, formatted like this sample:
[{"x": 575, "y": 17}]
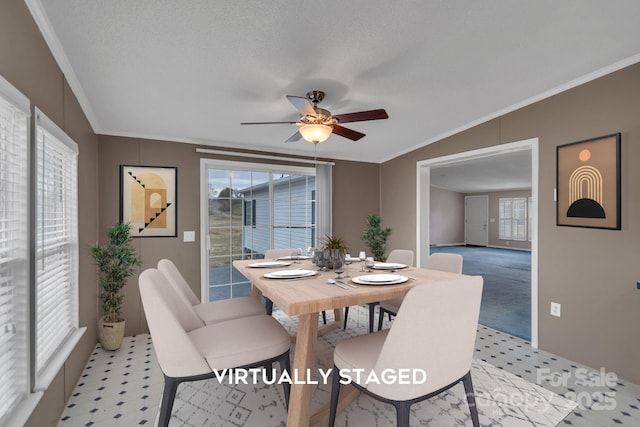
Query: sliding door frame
[{"x": 208, "y": 163}]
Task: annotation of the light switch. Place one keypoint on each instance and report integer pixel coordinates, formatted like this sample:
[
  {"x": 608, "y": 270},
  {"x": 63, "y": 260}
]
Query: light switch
[{"x": 189, "y": 236}]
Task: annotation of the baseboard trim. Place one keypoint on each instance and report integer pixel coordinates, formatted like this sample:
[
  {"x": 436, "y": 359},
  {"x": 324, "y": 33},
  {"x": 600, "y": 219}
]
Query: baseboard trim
[{"x": 509, "y": 247}]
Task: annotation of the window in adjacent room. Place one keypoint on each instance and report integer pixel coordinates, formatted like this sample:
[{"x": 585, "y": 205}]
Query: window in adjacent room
[{"x": 513, "y": 220}]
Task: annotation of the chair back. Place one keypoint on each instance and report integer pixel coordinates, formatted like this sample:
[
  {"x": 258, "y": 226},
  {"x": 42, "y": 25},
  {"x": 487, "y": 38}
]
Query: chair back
[
  {"x": 169, "y": 320},
  {"x": 401, "y": 256},
  {"x": 451, "y": 263},
  {"x": 435, "y": 331},
  {"x": 169, "y": 269},
  {"x": 277, "y": 253}
]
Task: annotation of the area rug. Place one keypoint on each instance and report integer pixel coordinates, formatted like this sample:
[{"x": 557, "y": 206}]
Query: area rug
[{"x": 503, "y": 399}]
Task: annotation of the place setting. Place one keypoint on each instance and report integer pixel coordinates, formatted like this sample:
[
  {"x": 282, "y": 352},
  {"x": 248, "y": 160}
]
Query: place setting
[
  {"x": 290, "y": 274},
  {"x": 269, "y": 264},
  {"x": 379, "y": 279}
]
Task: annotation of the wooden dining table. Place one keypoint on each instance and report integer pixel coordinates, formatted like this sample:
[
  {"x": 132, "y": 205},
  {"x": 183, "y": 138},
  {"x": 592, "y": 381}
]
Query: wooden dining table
[{"x": 306, "y": 298}]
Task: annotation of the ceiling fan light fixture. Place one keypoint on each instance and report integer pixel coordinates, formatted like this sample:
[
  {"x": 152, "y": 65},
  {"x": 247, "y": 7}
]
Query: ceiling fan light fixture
[{"x": 315, "y": 133}]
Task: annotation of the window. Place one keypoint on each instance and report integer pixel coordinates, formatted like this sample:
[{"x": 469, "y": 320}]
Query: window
[
  {"x": 56, "y": 250},
  {"x": 247, "y": 209},
  {"x": 249, "y": 213},
  {"x": 513, "y": 221},
  {"x": 14, "y": 138}
]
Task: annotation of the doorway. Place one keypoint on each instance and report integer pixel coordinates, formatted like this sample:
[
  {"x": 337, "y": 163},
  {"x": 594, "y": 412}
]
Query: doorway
[
  {"x": 476, "y": 218},
  {"x": 246, "y": 209},
  {"x": 423, "y": 185}
]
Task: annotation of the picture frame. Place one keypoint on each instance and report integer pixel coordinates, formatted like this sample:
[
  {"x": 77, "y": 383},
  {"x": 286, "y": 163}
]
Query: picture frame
[
  {"x": 588, "y": 183},
  {"x": 148, "y": 200}
]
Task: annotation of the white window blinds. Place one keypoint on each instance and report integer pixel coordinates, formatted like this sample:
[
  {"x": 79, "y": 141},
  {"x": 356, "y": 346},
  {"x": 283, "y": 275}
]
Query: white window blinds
[
  {"x": 56, "y": 247},
  {"x": 513, "y": 222},
  {"x": 14, "y": 134}
]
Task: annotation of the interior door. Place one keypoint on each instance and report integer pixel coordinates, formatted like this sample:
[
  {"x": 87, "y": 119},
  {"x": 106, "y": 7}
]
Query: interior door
[{"x": 476, "y": 219}]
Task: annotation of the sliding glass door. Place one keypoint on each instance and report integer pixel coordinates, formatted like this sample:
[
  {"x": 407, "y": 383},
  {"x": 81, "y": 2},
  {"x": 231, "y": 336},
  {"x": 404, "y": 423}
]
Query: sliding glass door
[{"x": 247, "y": 209}]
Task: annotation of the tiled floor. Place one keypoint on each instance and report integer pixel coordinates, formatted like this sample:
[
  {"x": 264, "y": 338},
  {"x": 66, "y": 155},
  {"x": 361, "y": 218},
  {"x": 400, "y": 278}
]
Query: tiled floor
[{"x": 123, "y": 388}]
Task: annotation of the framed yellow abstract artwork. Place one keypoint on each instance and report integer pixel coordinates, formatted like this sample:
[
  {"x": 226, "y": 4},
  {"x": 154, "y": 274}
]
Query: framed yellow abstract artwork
[
  {"x": 588, "y": 183},
  {"x": 148, "y": 200}
]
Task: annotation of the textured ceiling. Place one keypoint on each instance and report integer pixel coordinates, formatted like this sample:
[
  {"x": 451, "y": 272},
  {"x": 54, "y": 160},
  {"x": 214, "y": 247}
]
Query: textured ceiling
[
  {"x": 191, "y": 71},
  {"x": 498, "y": 172}
]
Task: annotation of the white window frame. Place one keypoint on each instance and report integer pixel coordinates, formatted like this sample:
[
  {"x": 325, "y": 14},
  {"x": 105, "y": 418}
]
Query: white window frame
[
  {"x": 508, "y": 225},
  {"x": 46, "y": 364},
  {"x": 205, "y": 164},
  {"x": 16, "y": 402}
]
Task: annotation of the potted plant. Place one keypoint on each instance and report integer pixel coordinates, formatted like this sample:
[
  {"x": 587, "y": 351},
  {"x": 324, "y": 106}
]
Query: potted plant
[
  {"x": 115, "y": 262},
  {"x": 333, "y": 248},
  {"x": 376, "y": 237}
]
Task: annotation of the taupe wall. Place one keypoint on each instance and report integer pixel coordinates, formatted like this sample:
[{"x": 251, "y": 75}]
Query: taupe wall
[
  {"x": 591, "y": 272},
  {"x": 446, "y": 217},
  {"x": 26, "y": 62},
  {"x": 351, "y": 204},
  {"x": 355, "y": 195}
]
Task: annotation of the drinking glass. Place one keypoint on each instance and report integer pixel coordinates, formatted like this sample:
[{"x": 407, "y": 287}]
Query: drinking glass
[
  {"x": 338, "y": 267},
  {"x": 347, "y": 261},
  {"x": 369, "y": 263},
  {"x": 362, "y": 257}
]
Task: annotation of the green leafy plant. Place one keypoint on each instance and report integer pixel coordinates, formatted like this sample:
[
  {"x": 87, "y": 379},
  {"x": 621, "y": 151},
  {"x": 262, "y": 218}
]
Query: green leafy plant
[
  {"x": 115, "y": 262},
  {"x": 334, "y": 243},
  {"x": 376, "y": 237}
]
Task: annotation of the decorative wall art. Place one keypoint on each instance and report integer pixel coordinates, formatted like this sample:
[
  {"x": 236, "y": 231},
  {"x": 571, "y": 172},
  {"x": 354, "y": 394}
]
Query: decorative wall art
[
  {"x": 588, "y": 183},
  {"x": 148, "y": 200}
]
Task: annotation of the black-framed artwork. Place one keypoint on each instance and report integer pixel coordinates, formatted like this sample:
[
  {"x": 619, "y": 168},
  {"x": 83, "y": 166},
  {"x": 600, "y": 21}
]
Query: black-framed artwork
[
  {"x": 148, "y": 200},
  {"x": 588, "y": 183}
]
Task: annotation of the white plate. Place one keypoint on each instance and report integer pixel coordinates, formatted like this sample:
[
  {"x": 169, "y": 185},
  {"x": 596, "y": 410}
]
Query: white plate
[
  {"x": 289, "y": 274},
  {"x": 269, "y": 264},
  {"x": 388, "y": 265},
  {"x": 380, "y": 279},
  {"x": 294, "y": 257}
]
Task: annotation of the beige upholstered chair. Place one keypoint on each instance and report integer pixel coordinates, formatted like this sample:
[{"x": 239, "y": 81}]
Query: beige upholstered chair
[
  {"x": 278, "y": 253},
  {"x": 445, "y": 315},
  {"x": 451, "y": 263},
  {"x": 399, "y": 256},
  {"x": 188, "y": 351},
  {"x": 210, "y": 312}
]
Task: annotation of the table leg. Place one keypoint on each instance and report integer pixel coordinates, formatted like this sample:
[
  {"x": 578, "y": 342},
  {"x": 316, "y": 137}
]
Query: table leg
[{"x": 304, "y": 361}]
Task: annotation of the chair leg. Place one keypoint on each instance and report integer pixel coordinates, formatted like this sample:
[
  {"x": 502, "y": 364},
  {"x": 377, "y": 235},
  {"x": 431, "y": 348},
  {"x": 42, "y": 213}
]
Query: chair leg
[
  {"x": 268, "y": 306},
  {"x": 324, "y": 317},
  {"x": 168, "y": 396},
  {"x": 372, "y": 313},
  {"x": 346, "y": 316},
  {"x": 471, "y": 400},
  {"x": 402, "y": 413},
  {"x": 335, "y": 394},
  {"x": 285, "y": 365},
  {"x": 381, "y": 312}
]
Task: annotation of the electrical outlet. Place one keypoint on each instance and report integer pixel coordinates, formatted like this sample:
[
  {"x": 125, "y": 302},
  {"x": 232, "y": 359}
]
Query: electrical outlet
[{"x": 555, "y": 309}]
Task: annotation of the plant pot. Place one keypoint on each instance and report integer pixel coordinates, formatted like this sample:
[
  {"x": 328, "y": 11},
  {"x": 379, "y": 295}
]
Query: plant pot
[{"x": 110, "y": 335}]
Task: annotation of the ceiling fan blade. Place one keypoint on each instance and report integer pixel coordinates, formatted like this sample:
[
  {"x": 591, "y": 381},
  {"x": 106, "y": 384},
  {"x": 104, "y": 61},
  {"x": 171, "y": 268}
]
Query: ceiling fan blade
[
  {"x": 361, "y": 116},
  {"x": 347, "y": 133},
  {"x": 295, "y": 137},
  {"x": 302, "y": 105},
  {"x": 268, "y": 123}
]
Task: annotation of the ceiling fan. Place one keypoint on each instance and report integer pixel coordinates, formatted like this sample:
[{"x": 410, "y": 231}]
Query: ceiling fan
[{"x": 317, "y": 124}]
